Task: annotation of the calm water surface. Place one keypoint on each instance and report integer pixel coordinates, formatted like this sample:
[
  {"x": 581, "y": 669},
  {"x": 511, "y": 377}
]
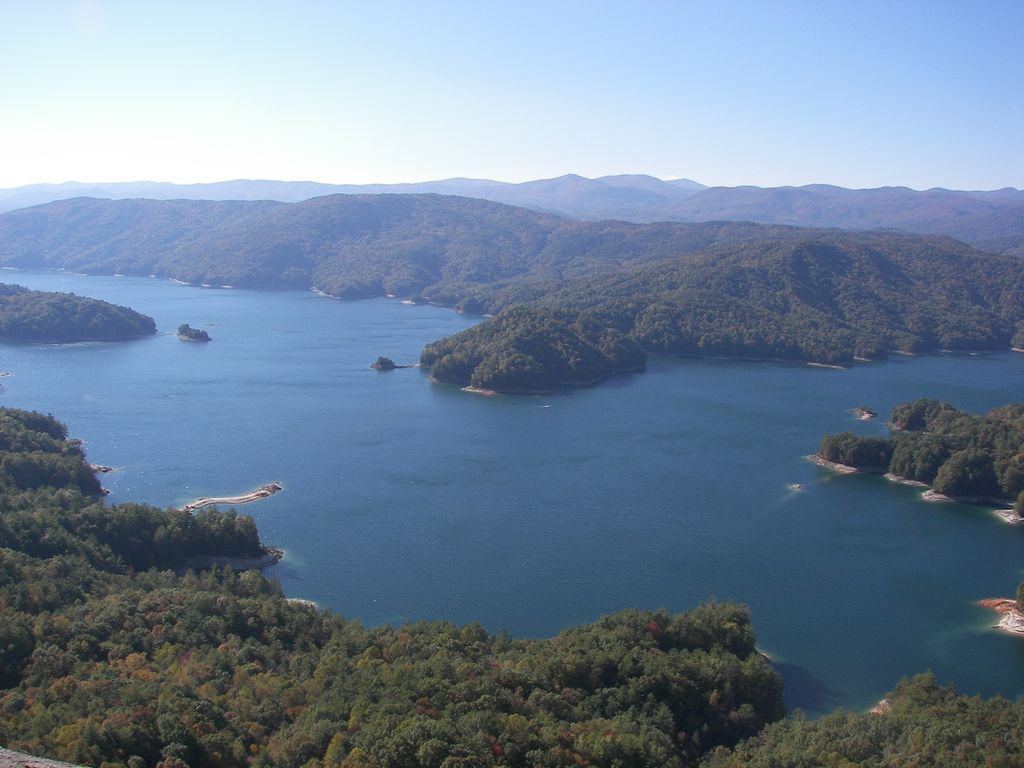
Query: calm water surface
[{"x": 407, "y": 501}]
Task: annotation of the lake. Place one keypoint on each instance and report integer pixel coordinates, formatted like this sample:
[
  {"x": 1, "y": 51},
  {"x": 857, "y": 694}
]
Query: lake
[{"x": 406, "y": 500}]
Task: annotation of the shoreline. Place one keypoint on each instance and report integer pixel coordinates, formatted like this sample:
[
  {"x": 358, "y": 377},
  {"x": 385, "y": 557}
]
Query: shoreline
[
  {"x": 894, "y": 478},
  {"x": 560, "y": 386},
  {"x": 263, "y": 492},
  {"x": 821, "y": 461},
  {"x": 1011, "y": 621},
  {"x": 1000, "y": 507},
  {"x": 1008, "y": 516}
]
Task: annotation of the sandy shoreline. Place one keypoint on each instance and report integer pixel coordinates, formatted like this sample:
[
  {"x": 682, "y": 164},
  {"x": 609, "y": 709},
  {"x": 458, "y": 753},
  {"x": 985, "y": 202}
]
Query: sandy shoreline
[{"x": 263, "y": 492}]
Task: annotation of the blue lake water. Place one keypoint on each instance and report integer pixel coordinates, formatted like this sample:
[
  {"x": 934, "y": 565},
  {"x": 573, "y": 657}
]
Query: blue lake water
[{"x": 407, "y": 500}]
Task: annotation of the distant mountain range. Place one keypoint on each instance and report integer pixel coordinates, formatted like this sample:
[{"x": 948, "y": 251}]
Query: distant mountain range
[{"x": 992, "y": 220}]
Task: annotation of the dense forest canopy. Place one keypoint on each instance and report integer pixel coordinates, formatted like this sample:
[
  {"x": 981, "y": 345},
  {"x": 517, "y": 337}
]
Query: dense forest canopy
[
  {"x": 107, "y": 657},
  {"x": 525, "y": 350},
  {"x": 957, "y": 453},
  {"x": 828, "y": 300},
  {"x": 64, "y": 317},
  {"x": 921, "y": 724}
]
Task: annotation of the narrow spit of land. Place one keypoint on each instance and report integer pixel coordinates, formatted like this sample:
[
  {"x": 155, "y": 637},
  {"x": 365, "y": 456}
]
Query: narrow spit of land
[{"x": 263, "y": 492}]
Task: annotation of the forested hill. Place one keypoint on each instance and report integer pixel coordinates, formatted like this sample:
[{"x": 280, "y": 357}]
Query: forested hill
[
  {"x": 64, "y": 317},
  {"x": 107, "y": 657},
  {"x": 346, "y": 245},
  {"x": 827, "y": 300}
]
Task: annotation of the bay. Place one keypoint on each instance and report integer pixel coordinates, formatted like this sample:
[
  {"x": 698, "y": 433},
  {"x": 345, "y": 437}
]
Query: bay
[{"x": 406, "y": 500}]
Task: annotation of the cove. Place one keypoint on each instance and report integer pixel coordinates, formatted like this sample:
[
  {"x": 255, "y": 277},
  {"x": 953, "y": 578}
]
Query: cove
[{"x": 409, "y": 501}]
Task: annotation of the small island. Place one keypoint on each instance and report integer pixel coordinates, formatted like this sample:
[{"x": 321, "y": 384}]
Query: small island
[
  {"x": 187, "y": 333},
  {"x": 387, "y": 364},
  {"x": 864, "y": 413}
]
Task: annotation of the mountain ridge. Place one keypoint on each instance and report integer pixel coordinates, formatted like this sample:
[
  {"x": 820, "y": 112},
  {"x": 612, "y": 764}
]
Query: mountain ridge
[{"x": 988, "y": 219}]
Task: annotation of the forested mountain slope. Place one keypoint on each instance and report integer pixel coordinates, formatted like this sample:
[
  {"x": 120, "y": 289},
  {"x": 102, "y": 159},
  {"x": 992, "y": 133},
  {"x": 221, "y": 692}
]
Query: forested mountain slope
[
  {"x": 992, "y": 220},
  {"x": 346, "y": 245}
]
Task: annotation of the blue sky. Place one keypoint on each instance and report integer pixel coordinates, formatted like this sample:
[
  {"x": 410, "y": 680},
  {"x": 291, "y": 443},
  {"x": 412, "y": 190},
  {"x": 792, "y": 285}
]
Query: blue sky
[{"x": 859, "y": 94}]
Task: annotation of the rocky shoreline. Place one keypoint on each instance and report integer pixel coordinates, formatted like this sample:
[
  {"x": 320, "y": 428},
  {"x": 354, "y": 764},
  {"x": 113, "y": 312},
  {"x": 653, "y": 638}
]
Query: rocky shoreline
[
  {"x": 894, "y": 478},
  {"x": 1008, "y": 516},
  {"x": 1011, "y": 620},
  {"x": 928, "y": 494},
  {"x": 821, "y": 461}
]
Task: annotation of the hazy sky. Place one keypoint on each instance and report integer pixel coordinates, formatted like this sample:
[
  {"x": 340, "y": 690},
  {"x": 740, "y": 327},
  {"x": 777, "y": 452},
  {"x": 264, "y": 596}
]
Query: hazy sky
[{"x": 854, "y": 93}]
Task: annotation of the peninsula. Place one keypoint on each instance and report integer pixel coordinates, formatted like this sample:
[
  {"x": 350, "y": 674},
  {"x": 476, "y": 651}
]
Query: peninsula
[
  {"x": 955, "y": 455},
  {"x": 263, "y": 492},
  {"x": 64, "y": 318}
]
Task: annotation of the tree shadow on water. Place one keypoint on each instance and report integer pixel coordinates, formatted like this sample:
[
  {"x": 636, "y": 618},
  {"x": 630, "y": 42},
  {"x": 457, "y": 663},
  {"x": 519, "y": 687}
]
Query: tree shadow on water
[{"x": 802, "y": 689}]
